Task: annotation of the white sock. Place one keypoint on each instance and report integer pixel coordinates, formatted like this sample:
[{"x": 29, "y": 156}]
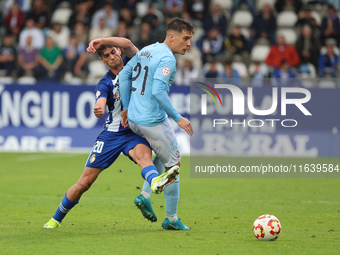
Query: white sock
[
  {"x": 172, "y": 218},
  {"x": 145, "y": 194}
]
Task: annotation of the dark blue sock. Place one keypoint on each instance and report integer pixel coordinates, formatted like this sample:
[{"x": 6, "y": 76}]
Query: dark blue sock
[
  {"x": 149, "y": 173},
  {"x": 65, "y": 206}
]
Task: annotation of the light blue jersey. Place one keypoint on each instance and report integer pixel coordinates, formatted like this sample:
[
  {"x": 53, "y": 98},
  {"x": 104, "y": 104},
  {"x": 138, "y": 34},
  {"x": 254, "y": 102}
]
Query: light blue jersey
[{"x": 149, "y": 75}]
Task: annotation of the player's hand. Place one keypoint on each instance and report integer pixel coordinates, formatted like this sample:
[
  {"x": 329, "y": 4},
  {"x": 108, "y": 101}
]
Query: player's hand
[
  {"x": 98, "y": 111},
  {"x": 124, "y": 120},
  {"x": 185, "y": 124},
  {"x": 94, "y": 45}
]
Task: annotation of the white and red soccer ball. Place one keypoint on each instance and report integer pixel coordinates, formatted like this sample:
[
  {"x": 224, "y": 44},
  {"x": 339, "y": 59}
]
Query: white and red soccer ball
[{"x": 267, "y": 228}]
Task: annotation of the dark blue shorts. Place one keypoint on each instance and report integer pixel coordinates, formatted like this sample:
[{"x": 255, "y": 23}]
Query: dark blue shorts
[{"x": 109, "y": 145}]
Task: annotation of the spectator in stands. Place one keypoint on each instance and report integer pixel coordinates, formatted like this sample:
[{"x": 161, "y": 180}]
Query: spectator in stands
[
  {"x": 131, "y": 7},
  {"x": 81, "y": 33},
  {"x": 263, "y": 26},
  {"x": 28, "y": 59},
  {"x": 34, "y": 32},
  {"x": 193, "y": 55},
  {"x": 291, "y": 5},
  {"x": 306, "y": 18},
  {"x": 81, "y": 14},
  {"x": 328, "y": 63},
  {"x": 150, "y": 17},
  {"x": 284, "y": 76},
  {"x": 335, "y": 3},
  {"x": 280, "y": 52},
  {"x": 122, "y": 30},
  {"x": 14, "y": 20},
  {"x": 330, "y": 25},
  {"x": 173, "y": 8},
  {"x": 126, "y": 15},
  {"x": 211, "y": 44},
  {"x": 50, "y": 60},
  {"x": 8, "y": 55},
  {"x": 212, "y": 72},
  {"x": 111, "y": 16},
  {"x": 230, "y": 75},
  {"x": 249, "y": 3},
  {"x": 101, "y": 31},
  {"x": 308, "y": 47},
  {"x": 75, "y": 57},
  {"x": 39, "y": 14},
  {"x": 236, "y": 44},
  {"x": 186, "y": 73},
  {"x": 216, "y": 19},
  {"x": 197, "y": 8},
  {"x": 146, "y": 37},
  {"x": 61, "y": 35},
  {"x": 257, "y": 76}
]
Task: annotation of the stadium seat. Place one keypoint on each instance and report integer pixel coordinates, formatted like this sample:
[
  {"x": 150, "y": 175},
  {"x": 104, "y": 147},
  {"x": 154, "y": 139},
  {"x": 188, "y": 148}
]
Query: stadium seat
[
  {"x": 260, "y": 3},
  {"x": 199, "y": 32},
  {"x": 289, "y": 34},
  {"x": 142, "y": 9},
  {"x": 6, "y": 80},
  {"x": 242, "y": 18},
  {"x": 245, "y": 32},
  {"x": 259, "y": 53},
  {"x": 61, "y": 15},
  {"x": 317, "y": 17},
  {"x": 159, "y": 15},
  {"x": 241, "y": 68},
  {"x": 327, "y": 84},
  {"x": 26, "y": 80},
  {"x": 263, "y": 68},
  {"x": 286, "y": 19},
  {"x": 97, "y": 69},
  {"x": 225, "y": 4},
  {"x": 206, "y": 68}
]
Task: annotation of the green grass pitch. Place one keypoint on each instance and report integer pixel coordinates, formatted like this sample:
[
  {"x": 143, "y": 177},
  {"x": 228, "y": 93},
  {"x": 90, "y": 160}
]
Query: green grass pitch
[{"x": 220, "y": 212}]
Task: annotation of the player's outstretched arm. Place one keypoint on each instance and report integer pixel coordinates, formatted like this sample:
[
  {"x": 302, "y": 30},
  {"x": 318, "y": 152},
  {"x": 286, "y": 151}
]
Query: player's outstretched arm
[
  {"x": 125, "y": 44},
  {"x": 99, "y": 108}
]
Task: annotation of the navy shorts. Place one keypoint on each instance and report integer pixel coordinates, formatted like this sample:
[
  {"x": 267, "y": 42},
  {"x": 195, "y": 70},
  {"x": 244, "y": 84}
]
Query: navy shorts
[{"x": 109, "y": 145}]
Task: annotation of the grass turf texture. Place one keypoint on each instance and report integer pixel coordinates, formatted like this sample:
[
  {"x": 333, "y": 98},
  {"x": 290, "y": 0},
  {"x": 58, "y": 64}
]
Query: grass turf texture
[{"x": 220, "y": 212}]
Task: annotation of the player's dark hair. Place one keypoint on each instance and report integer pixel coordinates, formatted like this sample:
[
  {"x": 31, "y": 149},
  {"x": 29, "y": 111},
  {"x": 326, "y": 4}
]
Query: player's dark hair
[
  {"x": 102, "y": 48},
  {"x": 180, "y": 25}
]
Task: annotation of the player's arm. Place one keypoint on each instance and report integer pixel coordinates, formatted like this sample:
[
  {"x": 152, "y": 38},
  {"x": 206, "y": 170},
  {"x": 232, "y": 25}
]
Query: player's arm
[
  {"x": 159, "y": 93},
  {"x": 99, "y": 108},
  {"x": 126, "y": 45},
  {"x": 125, "y": 82}
]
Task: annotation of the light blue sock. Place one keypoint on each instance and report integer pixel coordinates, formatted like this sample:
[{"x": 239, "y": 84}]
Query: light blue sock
[
  {"x": 171, "y": 194},
  {"x": 158, "y": 164}
]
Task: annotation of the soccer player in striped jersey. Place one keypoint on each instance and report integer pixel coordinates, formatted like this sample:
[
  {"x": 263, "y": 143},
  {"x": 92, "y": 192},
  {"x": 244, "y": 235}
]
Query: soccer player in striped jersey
[{"x": 115, "y": 138}]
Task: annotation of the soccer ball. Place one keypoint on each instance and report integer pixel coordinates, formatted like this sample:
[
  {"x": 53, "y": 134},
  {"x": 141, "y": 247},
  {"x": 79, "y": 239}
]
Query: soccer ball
[{"x": 267, "y": 228}]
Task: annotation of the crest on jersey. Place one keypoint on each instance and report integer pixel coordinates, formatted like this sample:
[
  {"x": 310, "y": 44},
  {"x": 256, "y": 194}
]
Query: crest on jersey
[
  {"x": 97, "y": 93},
  {"x": 93, "y": 158},
  {"x": 166, "y": 71}
]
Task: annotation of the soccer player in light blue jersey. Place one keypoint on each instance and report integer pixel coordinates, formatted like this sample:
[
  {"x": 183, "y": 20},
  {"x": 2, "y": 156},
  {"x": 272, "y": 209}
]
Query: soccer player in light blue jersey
[
  {"x": 145, "y": 83},
  {"x": 115, "y": 138}
]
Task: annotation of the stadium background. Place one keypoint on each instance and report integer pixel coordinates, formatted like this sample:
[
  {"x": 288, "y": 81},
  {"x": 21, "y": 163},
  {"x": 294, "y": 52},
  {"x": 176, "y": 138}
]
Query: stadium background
[{"x": 59, "y": 100}]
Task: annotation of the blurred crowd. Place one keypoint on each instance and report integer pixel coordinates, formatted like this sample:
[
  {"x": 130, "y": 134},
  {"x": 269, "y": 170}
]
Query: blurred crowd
[{"x": 242, "y": 42}]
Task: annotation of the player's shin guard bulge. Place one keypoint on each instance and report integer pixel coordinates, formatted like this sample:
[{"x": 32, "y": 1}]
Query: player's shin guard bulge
[{"x": 161, "y": 182}]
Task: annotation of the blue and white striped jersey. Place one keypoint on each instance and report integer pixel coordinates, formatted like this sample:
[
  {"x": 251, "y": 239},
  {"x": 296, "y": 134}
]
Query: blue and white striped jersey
[{"x": 108, "y": 87}]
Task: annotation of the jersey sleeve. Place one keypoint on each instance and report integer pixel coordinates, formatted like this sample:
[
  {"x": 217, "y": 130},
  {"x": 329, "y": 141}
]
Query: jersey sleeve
[
  {"x": 102, "y": 90},
  {"x": 166, "y": 68}
]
